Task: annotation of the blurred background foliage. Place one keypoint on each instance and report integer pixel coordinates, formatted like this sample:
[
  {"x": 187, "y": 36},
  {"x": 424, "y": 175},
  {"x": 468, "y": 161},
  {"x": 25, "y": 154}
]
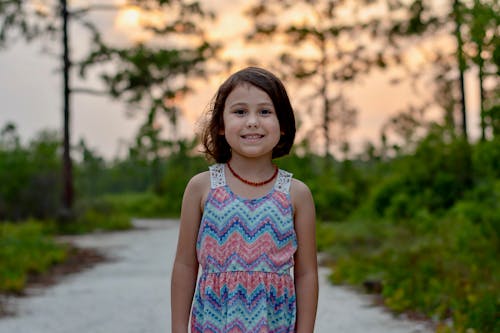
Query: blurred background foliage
[
  {"x": 415, "y": 224},
  {"x": 414, "y": 217}
]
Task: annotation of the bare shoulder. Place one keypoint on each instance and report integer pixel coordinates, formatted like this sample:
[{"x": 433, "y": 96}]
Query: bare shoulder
[
  {"x": 199, "y": 181},
  {"x": 300, "y": 194},
  {"x": 197, "y": 189},
  {"x": 299, "y": 190},
  {"x": 198, "y": 184}
]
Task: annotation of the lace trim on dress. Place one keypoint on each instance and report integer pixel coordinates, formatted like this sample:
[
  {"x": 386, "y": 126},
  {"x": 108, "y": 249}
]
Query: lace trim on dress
[
  {"x": 283, "y": 182},
  {"x": 217, "y": 177}
]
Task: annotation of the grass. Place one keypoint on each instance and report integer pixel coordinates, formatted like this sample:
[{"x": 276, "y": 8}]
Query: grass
[
  {"x": 445, "y": 269},
  {"x": 95, "y": 220},
  {"x": 25, "y": 249},
  {"x": 145, "y": 204},
  {"x": 29, "y": 247}
]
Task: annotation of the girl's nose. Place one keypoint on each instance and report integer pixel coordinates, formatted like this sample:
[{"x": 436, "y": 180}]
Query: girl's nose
[{"x": 252, "y": 121}]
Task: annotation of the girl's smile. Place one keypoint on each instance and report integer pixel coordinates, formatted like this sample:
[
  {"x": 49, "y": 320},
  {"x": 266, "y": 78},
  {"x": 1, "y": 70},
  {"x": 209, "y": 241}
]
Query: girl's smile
[{"x": 252, "y": 137}]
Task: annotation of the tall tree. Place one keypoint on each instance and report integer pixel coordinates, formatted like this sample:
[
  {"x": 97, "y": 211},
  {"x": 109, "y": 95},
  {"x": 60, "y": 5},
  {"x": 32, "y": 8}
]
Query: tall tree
[
  {"x": 474, "y": 27},
  {"x": 68, "y": 191},
  {"x": 145, "y": 75},
  {"x": 482, "y": 23},
  {"x": 326, "y": 43},
  {"x": 458, "y": 18},
  {"x": 321, "y": 47}
]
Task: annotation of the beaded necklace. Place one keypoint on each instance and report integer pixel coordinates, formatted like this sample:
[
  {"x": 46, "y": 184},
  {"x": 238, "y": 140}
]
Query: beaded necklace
[{"x": 250, "y": 182}]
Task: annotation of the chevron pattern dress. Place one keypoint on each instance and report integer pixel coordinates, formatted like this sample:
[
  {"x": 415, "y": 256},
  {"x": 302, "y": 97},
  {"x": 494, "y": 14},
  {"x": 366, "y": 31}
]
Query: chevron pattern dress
[{"x": 245, "y": 248}]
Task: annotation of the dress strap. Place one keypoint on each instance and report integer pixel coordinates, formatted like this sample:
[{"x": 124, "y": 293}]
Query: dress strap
[
  {"x": 217, "y": 177},
  {"x": 283, "y": 182}
]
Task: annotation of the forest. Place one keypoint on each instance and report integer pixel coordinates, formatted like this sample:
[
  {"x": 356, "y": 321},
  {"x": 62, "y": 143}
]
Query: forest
[{"x": 413, "y": 217}]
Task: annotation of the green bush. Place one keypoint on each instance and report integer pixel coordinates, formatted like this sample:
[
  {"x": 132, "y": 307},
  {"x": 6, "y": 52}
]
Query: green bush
[
  {"x": 324, "y": 236},
  {"x": 447, "y": 269},
  {"x": 29, "y": 177},
  {"x": 434, "y": 178},
  {"x": 401, "y": 207},
  {"x": 436, "y": 250},
  {"x": 486, "y": 159},
  {"x": 382, "y": 196},
  {"x": 178, "y": 171},
  {"x": 95, "y": 215},
  {"x": 145, "y": 204},
  {"x": 333, "y": 201},
  {"x": 480, "y": 206},
  {"x": 26, "y": 248}
]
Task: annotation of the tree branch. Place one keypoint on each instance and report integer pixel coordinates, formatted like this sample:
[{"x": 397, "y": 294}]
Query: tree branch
[
  {"x": 103, "y": 7},
  {"x": 90, "y": 91}
]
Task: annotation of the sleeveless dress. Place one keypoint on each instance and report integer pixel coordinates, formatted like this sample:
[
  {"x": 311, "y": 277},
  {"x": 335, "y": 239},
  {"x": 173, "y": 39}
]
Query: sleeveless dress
[{"x": 245, "y": 248}]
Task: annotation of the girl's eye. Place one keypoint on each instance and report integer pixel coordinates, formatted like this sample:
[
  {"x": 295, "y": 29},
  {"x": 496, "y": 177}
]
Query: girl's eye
[
  {"x": 265, "y": 111},
  {"x": 239, "y": 112}
]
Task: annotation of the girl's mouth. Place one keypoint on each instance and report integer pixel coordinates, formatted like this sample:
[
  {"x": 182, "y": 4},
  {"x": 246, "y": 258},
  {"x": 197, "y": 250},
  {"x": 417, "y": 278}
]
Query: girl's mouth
[{"x": 252, "y": 136}]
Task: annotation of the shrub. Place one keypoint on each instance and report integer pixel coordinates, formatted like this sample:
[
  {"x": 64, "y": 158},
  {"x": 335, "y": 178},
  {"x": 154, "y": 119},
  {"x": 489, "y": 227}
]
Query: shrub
[
  {"x": 333, "y": 201},
  {"x": 29, "y": 178},
  {"x": 25, "y": 248},
  {"x": 145, "y": 204},
  {"x": 95, "y": 215},
  {"x": 447, "y": 269}
]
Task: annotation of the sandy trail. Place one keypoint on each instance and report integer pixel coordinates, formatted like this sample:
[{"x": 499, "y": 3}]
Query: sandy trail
[{"x": 131, "y": 293}]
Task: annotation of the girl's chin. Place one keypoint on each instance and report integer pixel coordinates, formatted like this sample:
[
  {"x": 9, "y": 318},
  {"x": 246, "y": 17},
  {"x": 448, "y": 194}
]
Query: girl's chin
[{"x": 253, "y": 153}]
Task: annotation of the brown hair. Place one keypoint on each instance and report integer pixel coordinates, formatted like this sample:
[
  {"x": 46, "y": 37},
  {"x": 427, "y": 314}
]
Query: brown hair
[{"x": 215, "y": 144}]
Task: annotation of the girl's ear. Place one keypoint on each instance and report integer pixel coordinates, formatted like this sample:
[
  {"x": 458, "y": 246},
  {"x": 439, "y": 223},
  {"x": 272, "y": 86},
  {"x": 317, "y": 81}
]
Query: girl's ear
[{"x": 221, "y": 131}]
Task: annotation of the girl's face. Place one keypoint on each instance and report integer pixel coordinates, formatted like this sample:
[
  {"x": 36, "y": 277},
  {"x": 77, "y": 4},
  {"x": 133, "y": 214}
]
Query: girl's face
[{"x": 251, "y": 125}]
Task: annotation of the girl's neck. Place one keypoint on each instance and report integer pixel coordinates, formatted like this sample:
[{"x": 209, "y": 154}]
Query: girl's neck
[
  {"x": 252, "y": 166},
  {"x": 252, "y": 170}
]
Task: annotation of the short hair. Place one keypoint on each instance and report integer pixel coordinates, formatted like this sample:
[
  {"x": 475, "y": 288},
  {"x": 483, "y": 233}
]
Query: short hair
[{"x": 215, "y": 145}]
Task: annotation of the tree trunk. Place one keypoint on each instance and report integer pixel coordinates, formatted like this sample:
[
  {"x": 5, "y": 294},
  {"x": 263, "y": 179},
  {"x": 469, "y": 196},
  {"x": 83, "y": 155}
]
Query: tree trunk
[
  {"x": 326, "y": 101},
  {"x": 480, "y": 63},
  {"x": 461, "y": 65},
  {"x": 68, "y": 194},
  {"x": 326, "y": 122}
]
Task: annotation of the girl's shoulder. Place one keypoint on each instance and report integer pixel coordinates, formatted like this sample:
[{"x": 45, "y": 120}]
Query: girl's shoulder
[
  {"x": 300, "y": 193},
  {"x": 199, "y": 181},
  {"x": 299, "y": 188},
  {"x": 197, "y": 189}
]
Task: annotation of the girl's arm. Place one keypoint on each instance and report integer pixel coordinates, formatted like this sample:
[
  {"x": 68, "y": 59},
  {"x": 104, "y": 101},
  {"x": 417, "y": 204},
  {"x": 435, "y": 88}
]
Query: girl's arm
[
  {"x": 306, "y": 265},
  {"x": 185, "y": 270}
]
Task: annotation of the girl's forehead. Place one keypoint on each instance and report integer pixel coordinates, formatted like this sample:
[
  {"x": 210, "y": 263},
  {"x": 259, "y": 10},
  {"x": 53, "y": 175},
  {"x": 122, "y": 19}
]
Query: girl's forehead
[
  {"x": 244, "y": 85},
  {"x": 249, "y": 92}
]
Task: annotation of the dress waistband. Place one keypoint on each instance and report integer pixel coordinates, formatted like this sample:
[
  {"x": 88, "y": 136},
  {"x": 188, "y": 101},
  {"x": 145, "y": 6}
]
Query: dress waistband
[{"x": 212, "y": 271}]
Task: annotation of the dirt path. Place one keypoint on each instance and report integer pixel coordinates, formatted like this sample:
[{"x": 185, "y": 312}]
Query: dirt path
[{"x": 130, "y": 293}]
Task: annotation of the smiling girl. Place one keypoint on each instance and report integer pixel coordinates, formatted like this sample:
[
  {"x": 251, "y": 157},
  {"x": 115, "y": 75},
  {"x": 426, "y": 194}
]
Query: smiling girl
[{"x": 249, "y": 225}]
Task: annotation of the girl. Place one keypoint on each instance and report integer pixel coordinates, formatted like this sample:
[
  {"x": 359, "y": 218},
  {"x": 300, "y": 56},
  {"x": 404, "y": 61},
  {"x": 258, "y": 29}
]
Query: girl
[{"x": 246, "y": 222}]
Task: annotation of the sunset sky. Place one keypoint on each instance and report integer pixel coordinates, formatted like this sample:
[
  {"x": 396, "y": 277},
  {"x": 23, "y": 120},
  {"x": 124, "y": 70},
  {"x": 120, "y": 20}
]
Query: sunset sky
[{"x": 30, "y": 87}]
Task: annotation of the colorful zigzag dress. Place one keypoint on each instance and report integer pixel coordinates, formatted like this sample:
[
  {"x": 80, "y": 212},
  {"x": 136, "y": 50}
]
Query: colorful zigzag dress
[{"x": 245, "y": 248}]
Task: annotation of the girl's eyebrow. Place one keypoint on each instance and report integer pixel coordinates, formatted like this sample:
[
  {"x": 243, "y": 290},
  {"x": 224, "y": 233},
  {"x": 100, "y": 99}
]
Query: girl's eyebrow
[
  {"x": 245, "y": 104},
  {"x": 266, "y": 104},
  {"x": 237, "y": 104}
]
